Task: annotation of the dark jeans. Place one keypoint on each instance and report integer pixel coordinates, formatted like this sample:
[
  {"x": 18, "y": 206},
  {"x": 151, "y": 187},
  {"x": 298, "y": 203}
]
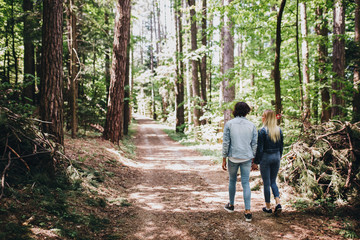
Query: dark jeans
[{"x": 269, "y": 168}]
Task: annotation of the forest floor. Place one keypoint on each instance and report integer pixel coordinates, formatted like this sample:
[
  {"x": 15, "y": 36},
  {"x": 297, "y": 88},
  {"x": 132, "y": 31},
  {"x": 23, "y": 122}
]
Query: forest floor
[
  {"x": 180, "y": 194},
  {"x": 160, "y": 190},
  {"x": 173, "y": 192}
]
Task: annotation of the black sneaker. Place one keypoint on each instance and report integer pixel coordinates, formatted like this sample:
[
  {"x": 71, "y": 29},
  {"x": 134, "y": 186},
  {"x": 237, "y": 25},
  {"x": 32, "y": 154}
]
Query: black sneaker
[
  {"x": 248, "y": 217},
  {"x": 278, "y": 209},
  {"x": 267, "y": 210},
  {"x": 229, "y": 208}
]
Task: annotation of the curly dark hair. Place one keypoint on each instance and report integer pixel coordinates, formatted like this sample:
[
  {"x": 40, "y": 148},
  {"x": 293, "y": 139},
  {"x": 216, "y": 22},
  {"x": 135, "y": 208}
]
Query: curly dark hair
[{"x": 241, "y": 109}]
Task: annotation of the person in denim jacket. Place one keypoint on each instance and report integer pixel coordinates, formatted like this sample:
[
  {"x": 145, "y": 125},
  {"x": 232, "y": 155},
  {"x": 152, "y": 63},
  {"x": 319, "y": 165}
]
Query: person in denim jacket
[
  {"x": 239, "y": 146},
  {"x": 268, "y": 155}
]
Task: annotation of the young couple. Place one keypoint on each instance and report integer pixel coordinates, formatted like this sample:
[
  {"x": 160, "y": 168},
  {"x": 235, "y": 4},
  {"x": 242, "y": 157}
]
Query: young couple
[{"x": 243, "y": 145}]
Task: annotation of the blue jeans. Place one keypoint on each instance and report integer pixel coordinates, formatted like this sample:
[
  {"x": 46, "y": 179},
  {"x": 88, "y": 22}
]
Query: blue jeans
[
  {"x": 245, "y": 168},
  {"x": 269, "y": 168}
]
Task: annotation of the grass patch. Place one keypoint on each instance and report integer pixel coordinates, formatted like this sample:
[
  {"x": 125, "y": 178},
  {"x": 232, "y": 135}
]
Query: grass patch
[
  {"x": 128, "y": 146},
  {"x": 120, "y": 201},
  {"x": 257, "y": 187},
  {"x": 179, "y": 137},
  {"x": 204, "y": 149}
]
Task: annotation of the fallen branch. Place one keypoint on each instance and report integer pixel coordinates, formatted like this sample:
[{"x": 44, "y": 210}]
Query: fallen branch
[
  {"x": 347, "y": 183},
  {"x": 329, "y": 153},
  {"x": 25, "y": 156},
  {"x": 27, "y": 166},
  {"x": 331, "y": 133},
  {"x": 3, "y": 176}
]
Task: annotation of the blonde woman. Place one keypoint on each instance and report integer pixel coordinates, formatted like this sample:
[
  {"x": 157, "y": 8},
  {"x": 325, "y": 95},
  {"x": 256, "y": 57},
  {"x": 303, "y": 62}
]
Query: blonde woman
[{"x": 268, "y": 155}]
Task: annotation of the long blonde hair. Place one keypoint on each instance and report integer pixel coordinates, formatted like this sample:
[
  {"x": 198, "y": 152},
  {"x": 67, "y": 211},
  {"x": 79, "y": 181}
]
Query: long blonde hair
[{"x": 270, "y": 123}]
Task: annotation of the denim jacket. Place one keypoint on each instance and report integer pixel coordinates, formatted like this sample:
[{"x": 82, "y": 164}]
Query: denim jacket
[
  {"x": 239, "y": 139},
  {"x": 265, "y": 145}
]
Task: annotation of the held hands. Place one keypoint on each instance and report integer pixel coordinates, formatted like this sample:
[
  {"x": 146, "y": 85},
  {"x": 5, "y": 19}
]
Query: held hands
[
  {"x": 254, "y": 166},
  {"x": 224, "y": 164}
]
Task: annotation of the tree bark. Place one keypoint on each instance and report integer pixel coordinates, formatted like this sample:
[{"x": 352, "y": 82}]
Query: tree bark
[
  {"x": 356, "y": 96},
  {"x": 179, "y": 85},
  {"x": 194, "y": 65},
  {"x": 152, "y": 32},
  {"x": 298, "y": 57},
  {"x": 159, "y": 25},
  {"x": 107, "y": 57},
  {"x": 113, "y": 130},
  {"x": 276, "y": 72},
  {"x": 322, "y": 31},
  {"x": 7, "y": 55},
  {"x": 29, "y": 55},
  {"x": 73, "y": 69},
  {"x": 228, "y": 62},
  {"x": 203, "y": 69},
  {"x": 188, "y": 92},
  {"x": 127, "y": 88},
  {"x": 305, "y": 67},
  {"x": 13, "y": 44},
  {"x": 51, "y": 104},
  {"x": 338, "y": 59},
  {"x": 154, "y": 26}
]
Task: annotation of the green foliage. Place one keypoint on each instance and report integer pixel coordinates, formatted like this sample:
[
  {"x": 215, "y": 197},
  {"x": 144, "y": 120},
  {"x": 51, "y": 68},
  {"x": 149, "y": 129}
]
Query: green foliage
[
  {"x": 96, "y": 224},
  {"x": 179, "y": 137},
  {"x": 11, "y": 98},
  {"x": 12, "y": 231},
  {"x": 97, "y": 202},
  {"x": 349, "y": 231},
  {"x": 128, "y": 146}
]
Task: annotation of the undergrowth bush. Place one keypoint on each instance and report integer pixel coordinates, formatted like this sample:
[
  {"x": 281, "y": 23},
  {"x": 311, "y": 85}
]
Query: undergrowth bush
[{"x": 325, "y": 162}]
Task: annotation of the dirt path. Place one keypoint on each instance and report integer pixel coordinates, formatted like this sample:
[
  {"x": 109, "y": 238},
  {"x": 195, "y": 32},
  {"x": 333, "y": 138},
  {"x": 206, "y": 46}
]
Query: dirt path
[{"x": 180, "y": 195}]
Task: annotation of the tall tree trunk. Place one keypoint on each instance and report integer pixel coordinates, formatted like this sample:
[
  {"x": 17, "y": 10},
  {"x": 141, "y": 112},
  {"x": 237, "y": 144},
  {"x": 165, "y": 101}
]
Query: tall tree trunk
[
  {"x": 141, "y": 45},
  {"x": 221, "y": 55},
  {"x": 165, "y": 17},
  {"x": 73, "y": 69},
  {"x": 94, "y": 77},
  {"x": 29, "y": 58},
  {"x": 356, "y": 97},
  {"x": 159, "y": 25},
  {"x": 210, "y": 74},
  {"x": 179, "y": 85},
  {"x": 228, "y": 62},
  {"x": 305, "y": 67},
  {"x": 322, "y": 31},
  {"x": 13, "y": 44},
  {"x": 154, "y": 26},
  {"x": 38, "y": 73},
  {"x": 194, "y": 65},
  {"x": 113, "y": 130},
  {"x": 107, "y": 57},
  {"x": 153, "y": 105},
  {"x": 131, "y": 77},
  {"x": 203, "y": 69},
  {"x": 276, "y": 72},
  {"x": 7, "y": 55},
  {"x": 338, "y": 59},
  {"x": 298, "y": 57},
  {"x": 51, "y": 104},
  {"x": 127, "y": 87},
  {"x": 3, "y": 76}
]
